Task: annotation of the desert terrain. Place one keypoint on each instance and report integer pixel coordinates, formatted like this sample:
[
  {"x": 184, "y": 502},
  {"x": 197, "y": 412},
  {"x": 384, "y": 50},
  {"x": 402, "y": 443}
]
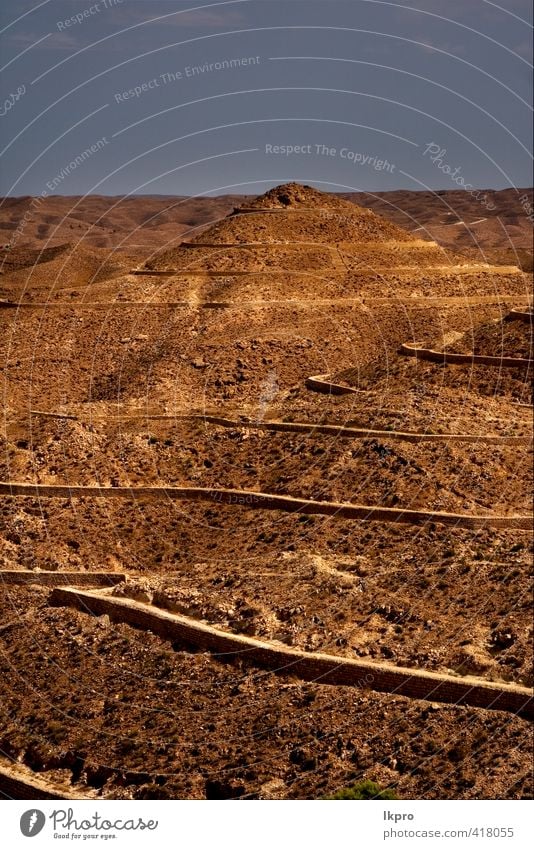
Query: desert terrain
[{"x": 245, "y": 439}]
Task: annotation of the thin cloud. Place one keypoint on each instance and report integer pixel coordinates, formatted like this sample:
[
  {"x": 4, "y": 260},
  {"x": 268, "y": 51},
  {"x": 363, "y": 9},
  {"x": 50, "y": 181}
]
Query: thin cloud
[
  {"x": 524, "y": 49},
  {"x": 74, "y": 39},
  {"x": 206, "y": 18},
  {"x": 56, "y": 41},
  {"x": 460, "y": 10},
  {"x": 195, "y": 19},
  {"x": 429, "y": 45}
]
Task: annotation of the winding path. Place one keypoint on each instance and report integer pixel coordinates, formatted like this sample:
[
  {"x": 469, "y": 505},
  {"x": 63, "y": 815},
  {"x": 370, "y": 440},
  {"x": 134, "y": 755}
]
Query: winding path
[
  {"x": 316, "y": 667},
  {"x": 268, "y": 501},
  {"x": 362, "y": 300},
  {"x": 329, "y": 272},
  {"x": 9, "y": 577},
  {"x": 350, "y": 247},
  {"x": 270, "y": 210},
  {"x": 308, "y": 428}
]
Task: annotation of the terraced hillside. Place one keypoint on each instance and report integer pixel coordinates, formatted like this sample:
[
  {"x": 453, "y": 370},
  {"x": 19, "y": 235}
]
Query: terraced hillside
[{"x": 308, "y": 540}]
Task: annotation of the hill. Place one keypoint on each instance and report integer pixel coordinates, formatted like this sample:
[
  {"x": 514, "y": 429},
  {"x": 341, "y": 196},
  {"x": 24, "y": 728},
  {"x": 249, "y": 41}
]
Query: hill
[{"x": 241, "y": 436}]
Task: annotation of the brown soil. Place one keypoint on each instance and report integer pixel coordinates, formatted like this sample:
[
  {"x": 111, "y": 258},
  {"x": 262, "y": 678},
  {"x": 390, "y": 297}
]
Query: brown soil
[
  {"x": 440, "y": 598},
  {"x": 498, "y": 339},
  {"x": 150, "y": 720}
]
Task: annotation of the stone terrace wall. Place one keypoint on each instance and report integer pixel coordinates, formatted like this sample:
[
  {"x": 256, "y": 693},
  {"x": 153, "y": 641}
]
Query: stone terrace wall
[
  {"x": 321, "y": 668},
  {"x": 266, "y": 501},
  {"x": 463, "y": 359},
  {"x": 520, "y": 315},
  {"x": 322, "y": 383},
  {"x": 15, "y": 787}
]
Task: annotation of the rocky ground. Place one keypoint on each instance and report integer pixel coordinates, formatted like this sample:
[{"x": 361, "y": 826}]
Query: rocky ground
[
  {"x": 107, "y": 350},
  {"x": 109, "y": 709}
]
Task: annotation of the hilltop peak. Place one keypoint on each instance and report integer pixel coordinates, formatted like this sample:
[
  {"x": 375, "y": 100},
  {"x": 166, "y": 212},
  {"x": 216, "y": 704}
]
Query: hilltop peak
[{"x": 289, "y": 195}]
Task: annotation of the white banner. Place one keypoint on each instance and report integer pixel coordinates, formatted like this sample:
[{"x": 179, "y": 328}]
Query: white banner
[{"x": 267, "y": 825}]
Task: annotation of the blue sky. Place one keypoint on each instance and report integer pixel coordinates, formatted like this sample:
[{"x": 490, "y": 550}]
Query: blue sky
[{"x": 238, "y": 96}]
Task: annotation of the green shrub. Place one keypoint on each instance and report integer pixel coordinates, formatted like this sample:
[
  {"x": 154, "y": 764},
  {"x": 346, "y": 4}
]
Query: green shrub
[{"x": 364, "y": 790}]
